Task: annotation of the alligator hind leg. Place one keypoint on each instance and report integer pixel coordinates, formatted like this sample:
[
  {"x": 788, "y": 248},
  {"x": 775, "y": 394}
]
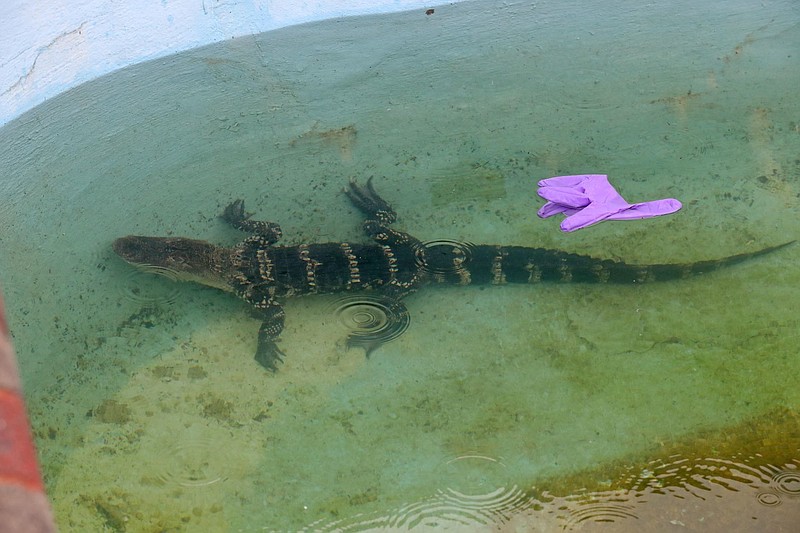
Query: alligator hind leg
[
  {"x": 399, "y": 247},
  {"x": 235, "y": 216},
  {"x": 400, "y": 250},
  {"x": 379, "y": 215},
  {"x": 370, "y": 203},
  {"x": 268, "y": 354}
]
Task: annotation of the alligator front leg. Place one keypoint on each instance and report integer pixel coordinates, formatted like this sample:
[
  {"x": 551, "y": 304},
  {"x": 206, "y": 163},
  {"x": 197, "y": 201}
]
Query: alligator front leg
[
  {"x": 235, "y": 216},
  {"x": 268, "y": 354}
]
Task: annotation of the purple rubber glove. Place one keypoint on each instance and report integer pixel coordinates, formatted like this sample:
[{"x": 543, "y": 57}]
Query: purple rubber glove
[{"x": 589, "y": 198}]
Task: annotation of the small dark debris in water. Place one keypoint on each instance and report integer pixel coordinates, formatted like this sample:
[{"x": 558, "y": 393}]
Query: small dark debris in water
[
  {"x": 680, "y": 101},
  {"x": 112, "y": 509},
  {"x": 430, "y": 11},
  {"x": 112, "y": 515},
  {"x": 368, "y": 496},
  {"x": 260, "y": 417},
  {"x": 146, "y": 317},
  {"x": 119, "y": 511}
]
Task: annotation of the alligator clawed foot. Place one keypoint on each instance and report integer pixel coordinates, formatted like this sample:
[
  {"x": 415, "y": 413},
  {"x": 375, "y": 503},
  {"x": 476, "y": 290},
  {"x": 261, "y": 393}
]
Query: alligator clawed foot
[
  {"x": 234, "y": 213},
  {"x": 367, "y": 199},
  {"x": 269, "y": 356}
]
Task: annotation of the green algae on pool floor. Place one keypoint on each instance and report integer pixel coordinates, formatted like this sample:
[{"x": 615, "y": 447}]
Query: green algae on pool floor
[{"x": 149, "y": 411}]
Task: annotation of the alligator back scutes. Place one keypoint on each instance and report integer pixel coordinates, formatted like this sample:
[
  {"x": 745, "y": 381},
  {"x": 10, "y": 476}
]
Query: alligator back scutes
[{"x": 317, "y": 268}]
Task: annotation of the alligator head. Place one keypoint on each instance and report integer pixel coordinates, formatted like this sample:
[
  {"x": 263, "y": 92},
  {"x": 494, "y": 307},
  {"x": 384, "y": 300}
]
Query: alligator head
[{"x": 178, "y": 258}]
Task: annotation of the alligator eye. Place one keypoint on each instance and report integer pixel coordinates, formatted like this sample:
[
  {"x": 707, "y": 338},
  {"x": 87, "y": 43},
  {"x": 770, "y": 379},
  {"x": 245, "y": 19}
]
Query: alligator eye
[{"x": 176, "y": 260}]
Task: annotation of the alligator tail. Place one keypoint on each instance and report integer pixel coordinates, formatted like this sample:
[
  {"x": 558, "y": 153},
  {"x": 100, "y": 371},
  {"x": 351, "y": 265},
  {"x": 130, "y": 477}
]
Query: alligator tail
[{"x": 489, "y": 264}]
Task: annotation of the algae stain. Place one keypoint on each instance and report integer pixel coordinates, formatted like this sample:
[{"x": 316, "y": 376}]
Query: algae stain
[
  {"x": 757, "y": 445},
  {"x": 112, "y": 412},
  {"x": 117, "y": 510},
  {"x": 467, "y": 184},
  {"x": 344, "y": 139},
  {"x": 217, "y": 408}
]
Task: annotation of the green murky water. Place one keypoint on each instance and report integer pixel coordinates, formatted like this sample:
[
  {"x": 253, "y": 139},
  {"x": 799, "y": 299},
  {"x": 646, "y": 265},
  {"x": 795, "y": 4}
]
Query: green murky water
[{"x": 537, "y": 408}]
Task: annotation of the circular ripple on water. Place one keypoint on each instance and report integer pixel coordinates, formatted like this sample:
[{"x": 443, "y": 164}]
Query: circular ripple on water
[
  {"x": 142, "y": 287},
  {"x": 769, "y": 499},
  {"x": 697, "y": 476},
  {"x": 195, "y": 463},
  {"x": 787, "y": 482},
  {"x": 444, "y": 258},
  {"x": 370, "y": 321},
  {"x": 501, "y": 502},
  {"x": 608, "y": 508},
  {"x": 474, "y": 474},
  {"x": 139, "y": 284},
  {"x": 453, "y": 509},
  {"x": 475, "y": 492}
]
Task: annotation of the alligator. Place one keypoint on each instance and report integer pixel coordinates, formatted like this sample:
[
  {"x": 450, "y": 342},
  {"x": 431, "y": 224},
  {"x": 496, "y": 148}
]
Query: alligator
[{"x": 394, "y": 266}]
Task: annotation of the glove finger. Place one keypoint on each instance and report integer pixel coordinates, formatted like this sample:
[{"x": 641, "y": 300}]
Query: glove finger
[
  {"x": 568, "y": 181},
  {"x": 550, "y": 208},
  {"x": 564, "y": 196},
  {"x": 592, "y": 214},
  {"x": 584, "y": 218},
  {"x": 648, "y": 209}
]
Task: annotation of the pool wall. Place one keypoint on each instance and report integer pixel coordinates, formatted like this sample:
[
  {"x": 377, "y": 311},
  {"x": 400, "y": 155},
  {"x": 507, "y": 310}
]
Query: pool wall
[{"x": 48, "y": 51}]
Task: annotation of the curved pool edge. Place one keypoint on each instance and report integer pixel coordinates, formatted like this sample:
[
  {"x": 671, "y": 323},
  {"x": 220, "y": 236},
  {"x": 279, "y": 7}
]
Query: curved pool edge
[{"x": 88, "y": 39}]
